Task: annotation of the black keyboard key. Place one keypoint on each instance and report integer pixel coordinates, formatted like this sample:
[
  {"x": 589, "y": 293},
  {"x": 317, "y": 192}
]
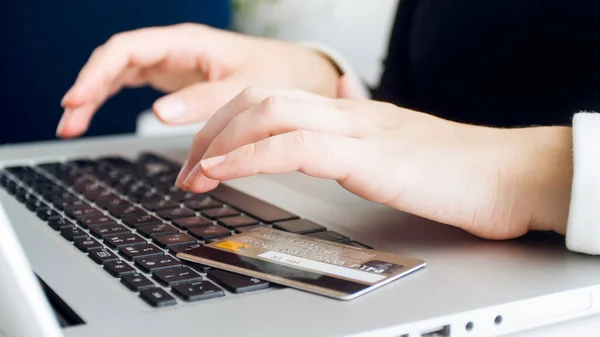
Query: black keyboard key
[
  {"x": 3, "y": 180},
  {"x": 116, "y": 162},
  {"x": 170, "y": 189},
  {"x": 47, "y": 188},
  {"x": 23, "y": 196},
  {"x": 94, "y": 220},
  {"x": 141, "y": 198},
  {"x": 153, "y": 158},
  {"x": 77, "y": 212},
  {"x": 183, "y": 248},
  {"x": 198, "y": 291},
  {"x": 102, "y": 231},
  {"x": 50, "y": 167},
  {"x": 140, "y": 219},
  {"x": 174, "y": 213},
  {"x": 122, "y": 212},
  {"x": 158, "y": 205},
  {"x": 359, "y": 245},
  {"x": 329, "y": 236},
  {"x": 26, "y": 197},
  {"x": 156, "y": 229},
  {"x": 35, "y": 204},
  {"x": 234, "y": 222},
  {"x": 18, "y": 171},
  {"x": 60, "y": 223},
  {"x": 197, "y": 266},
  {"x": 72, "y": 233},
  {"x": 118, "y": 268},
  {"x": 166, "y": 180},
  {"x": 221, "y": 212},
  {"x": 202, "y": 203},
  {"x": 249, "y": 228},
  {"x": 250, "y": 205},
  {"x": 183, "y": 196},
  {"x": 19, "y": 191},
  {"x": 11, "y": 188},
  {"x": 136, "y": 281},
  {"x": 157, "y": 297},
  {"x": 70, "y": 202},
  {"x": 80, "y": 164},
  {"x": 87, "y": 187},
  {"x": 102, "y": 255},
  {"x": 124, "y": 240},
  {"x": 172, "y": 276},
  {"x": 169, "y": 240},
  {"x": 299, "y": 226},
  {"x": 75, "y": 205},
  {"x": 48, "y": 214},
  {"x": 98, "y": 194},
  {"x": 57, "y": 197},
  {"x": 143, "y": 250},
  {"x": 191, "y": 222},
  {"x": 209, "y": 232},
  {"x": 152, "y": 263},
  {"x": 86, "y": 244},
  {"x": 137, "y": 187},
  {"x": 236, "y": 283},
  {"x": 112, "y": 201}
]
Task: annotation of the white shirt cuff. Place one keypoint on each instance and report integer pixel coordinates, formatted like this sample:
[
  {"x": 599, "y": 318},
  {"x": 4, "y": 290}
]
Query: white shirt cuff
[
  {"x": 583, "y": 227},
  {"x": 340, "y": 62}
]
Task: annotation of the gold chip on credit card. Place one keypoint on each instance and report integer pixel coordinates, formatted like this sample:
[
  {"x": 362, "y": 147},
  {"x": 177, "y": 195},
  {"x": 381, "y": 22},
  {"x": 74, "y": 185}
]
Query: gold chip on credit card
[{"x": 322, "y": 267}]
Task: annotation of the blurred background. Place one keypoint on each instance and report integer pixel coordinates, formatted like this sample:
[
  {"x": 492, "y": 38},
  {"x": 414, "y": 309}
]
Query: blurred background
[{"x": 45, "y": 44}]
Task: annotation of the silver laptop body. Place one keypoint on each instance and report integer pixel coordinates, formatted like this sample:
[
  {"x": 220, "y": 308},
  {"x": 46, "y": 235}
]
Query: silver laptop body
[{"x": 470, "y": 287}]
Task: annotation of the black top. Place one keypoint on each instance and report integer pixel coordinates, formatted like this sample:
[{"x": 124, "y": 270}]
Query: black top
[{"x": 495, "y": 62}]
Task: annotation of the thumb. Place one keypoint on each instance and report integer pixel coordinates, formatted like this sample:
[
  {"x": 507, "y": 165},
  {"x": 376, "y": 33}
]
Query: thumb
[
  {"x": 197, "y": 102},
  {"x": 348, "y": 88}
]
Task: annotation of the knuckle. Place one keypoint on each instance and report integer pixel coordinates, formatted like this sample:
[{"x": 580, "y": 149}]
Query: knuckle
[
  {"x": 252, "y": 94},
  {"x": 272, "y": 105},
  {"x": 249, "y": 150},
  {"x": 303, "y": 138}
]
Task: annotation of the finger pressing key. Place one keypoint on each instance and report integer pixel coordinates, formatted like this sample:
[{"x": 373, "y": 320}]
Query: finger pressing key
[{"x": 313, "y": 153}]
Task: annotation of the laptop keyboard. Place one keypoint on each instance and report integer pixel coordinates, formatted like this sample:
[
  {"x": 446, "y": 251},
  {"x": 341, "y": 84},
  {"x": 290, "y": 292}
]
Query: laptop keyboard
[{"x": 131, "y": 220}]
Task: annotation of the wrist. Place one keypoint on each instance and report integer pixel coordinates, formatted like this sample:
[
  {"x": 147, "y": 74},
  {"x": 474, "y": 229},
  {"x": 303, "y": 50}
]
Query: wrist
[
  {"x": 546, "y": 176},
  {"x": 342, "y": 66},
  {"x": 320, "y": 72}
]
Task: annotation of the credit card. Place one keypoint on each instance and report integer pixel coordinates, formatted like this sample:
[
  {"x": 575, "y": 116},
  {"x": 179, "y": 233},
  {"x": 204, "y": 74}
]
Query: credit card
[{"x": 327, "y": 268}]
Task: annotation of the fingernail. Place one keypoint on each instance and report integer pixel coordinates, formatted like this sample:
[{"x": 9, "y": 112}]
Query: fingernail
[
  {"x": 189, "y": 179},
  {"x": 209, "y": 163},
  {"x": 170, "y": 108},
  {"x": 203, "y": 164},
  {"x": 61, "y": 123},
  {"x": 183, "y": 172}
]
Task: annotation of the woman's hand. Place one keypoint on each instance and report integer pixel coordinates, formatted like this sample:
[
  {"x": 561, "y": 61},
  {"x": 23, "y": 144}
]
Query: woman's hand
[
  {"x": 494, "y": 183},
  {"x": 203, "y": 67}
]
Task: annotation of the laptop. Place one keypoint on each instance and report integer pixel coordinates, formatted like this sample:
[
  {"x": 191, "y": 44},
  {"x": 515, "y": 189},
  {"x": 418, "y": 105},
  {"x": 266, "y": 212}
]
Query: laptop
[{"x": 89, "y": 229}]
